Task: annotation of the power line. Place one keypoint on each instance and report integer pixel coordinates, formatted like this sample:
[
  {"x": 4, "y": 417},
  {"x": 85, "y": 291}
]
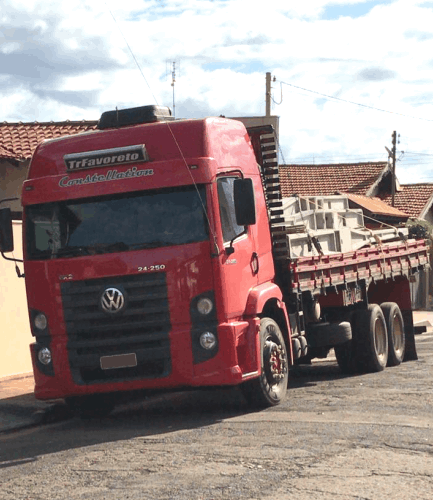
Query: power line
[
  {"x": 355, "y": 103},
  {"x": 362, "y": 157},
  {"x": 415, "y": 153},
  {"x": 131, "y": 52},
  {"x": 409, "y": 158}
]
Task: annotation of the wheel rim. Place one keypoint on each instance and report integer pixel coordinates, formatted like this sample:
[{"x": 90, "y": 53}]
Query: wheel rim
[
  {"x": 274, "y": 359},
  {"x": 380, "y": 340},
  {"x": 397, "y": 334}
]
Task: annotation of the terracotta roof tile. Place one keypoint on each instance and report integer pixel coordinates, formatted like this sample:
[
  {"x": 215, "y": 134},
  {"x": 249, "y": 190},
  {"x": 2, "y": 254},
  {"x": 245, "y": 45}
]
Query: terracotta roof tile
[
  {"x": 412, "y": 199},
  {"x": 19, "y": 140},
  {"x": 316, "y": 180}
]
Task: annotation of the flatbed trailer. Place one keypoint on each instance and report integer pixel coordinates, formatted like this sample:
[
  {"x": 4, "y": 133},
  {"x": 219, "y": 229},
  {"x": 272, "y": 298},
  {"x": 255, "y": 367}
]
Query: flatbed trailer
[{"x": 386, "y": 262}]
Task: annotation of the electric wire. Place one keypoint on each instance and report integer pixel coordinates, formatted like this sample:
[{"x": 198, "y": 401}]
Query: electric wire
[
  {"x": 335, "y": 159},
  {"x": 415, "y": 153},
  {"x": 132, "y": 53},
  {"x": 169, "y": 128},
  {"x": 279, "y": 147},
  {"x": 355, "y": 103}
]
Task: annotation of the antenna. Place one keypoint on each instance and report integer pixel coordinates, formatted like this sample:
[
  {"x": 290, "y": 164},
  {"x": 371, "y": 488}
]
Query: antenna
[{"x": 173, "y": 81}]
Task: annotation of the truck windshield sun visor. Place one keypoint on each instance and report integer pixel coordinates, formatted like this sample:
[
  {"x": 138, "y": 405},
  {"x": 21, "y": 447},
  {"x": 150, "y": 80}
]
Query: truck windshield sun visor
[{"x": 119, "y": 223}]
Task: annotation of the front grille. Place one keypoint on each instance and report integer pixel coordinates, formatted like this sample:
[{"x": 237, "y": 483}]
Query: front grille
[{"x": 142, "y": 327}]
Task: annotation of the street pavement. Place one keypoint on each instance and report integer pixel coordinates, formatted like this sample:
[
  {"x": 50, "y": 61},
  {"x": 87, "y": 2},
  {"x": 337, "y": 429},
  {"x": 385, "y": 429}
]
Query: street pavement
[{"x": 19, "y": 409}]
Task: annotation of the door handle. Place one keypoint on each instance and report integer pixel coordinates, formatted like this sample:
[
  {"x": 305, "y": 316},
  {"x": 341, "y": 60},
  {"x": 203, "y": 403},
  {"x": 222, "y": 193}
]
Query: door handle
[{"x": 255, "y": 263}]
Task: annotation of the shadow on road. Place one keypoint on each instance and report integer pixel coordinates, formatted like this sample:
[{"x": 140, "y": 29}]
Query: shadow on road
[
  {"x": 318, "y": 371},
  {"x": 156, "y": 416}
]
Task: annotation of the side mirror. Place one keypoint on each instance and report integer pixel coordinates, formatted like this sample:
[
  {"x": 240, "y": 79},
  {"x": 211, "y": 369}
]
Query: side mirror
[
  {"x": 245, "y": 207},
  {"x": 6, "y": 234}
]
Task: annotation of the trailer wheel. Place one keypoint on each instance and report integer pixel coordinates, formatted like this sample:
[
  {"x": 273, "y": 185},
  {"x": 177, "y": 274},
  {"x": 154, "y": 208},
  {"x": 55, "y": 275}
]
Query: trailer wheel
[
  {"x": 95, "y": 406},
  {"x": 270, "y": 388},
  {"x": 371, "y": 339},
  {"x": 396, "y": 337}
]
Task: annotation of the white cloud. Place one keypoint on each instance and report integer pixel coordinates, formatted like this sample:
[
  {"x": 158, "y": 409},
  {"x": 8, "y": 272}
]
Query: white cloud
[{"x": 69, "y": 60}]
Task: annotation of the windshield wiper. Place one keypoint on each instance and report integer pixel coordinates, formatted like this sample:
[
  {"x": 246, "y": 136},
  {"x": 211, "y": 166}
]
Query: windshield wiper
[
  {"x": 151, "y": 244},
  {"x": 71, "y": 251},
  {"x": 119, "y": 246},
  {"x": 101, "y": 248}
]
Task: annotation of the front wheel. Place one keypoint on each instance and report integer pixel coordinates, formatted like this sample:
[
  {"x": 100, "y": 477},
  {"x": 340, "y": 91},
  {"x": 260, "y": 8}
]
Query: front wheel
[{"x": 270, "y": 388}]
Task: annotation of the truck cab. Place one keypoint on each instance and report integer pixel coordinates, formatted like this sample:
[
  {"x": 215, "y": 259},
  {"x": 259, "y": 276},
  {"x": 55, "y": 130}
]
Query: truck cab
[{"x": 147, "y": 256}]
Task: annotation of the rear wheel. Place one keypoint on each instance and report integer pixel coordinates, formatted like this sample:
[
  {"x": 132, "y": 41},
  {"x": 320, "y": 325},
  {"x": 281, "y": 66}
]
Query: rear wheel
[
  {"x": 270, "y": 387},
  {"x": 396, "y": 337},
  {"x": 345, "y": 354},
  {"x": 371, "y": 339}
]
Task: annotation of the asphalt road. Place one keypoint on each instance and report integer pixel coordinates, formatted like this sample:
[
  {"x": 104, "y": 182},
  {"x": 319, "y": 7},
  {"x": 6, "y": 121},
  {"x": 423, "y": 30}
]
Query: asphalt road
[{"x": 335, "y": 437}]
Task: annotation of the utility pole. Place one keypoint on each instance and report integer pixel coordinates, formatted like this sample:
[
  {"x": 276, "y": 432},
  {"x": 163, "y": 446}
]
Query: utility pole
[
  {"x": 391, "y": 154},
  {"x": 394, "y": 142},
  {"x": 268, "y": 94}
]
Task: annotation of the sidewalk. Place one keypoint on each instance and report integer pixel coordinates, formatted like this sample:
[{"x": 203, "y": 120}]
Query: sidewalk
[{"x": 19, "y": 408}]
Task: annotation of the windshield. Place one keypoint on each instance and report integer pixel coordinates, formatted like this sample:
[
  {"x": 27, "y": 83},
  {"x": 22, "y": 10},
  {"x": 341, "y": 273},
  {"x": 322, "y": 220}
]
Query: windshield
[{"x": 117, "y": 223}]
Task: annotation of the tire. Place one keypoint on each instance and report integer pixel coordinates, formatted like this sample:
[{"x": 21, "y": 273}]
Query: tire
[
  {"x": 371, "y": 339},
  {"x": 270, "y": 388},
  {"x": 346, "y": 359},
  {"x": 95, "y": 406},
  {"x": 396, "y": 337},
  {"x": 328, "y": 334}
]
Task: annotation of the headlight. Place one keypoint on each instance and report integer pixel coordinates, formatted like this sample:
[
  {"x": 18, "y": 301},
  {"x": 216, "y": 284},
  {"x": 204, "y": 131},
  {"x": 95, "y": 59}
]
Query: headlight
[
  {"x": 40, "y": 321},
  {"x": 44, "y": 356},
  {"x": 204, "y": 306},
  {"x": 208, "y": 340}
]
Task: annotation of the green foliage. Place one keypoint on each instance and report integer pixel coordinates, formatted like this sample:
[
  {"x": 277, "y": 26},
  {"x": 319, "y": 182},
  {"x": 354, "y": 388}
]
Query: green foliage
[{"x": 420, "y": 229}]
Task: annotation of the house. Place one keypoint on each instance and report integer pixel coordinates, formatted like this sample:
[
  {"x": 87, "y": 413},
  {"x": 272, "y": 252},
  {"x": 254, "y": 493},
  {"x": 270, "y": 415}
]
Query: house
[
  {"x": 316, "y": 180},
  {"x": 368, "y": 185},
  {"x": 17, "y": 143},
  {"x": 367, "y": 179},
  {"x": 376, "y": 212}
]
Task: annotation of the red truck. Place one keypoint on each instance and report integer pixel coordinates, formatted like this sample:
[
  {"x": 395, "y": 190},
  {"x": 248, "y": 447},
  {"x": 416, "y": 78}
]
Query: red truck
[{"x": 155, "y": 257}]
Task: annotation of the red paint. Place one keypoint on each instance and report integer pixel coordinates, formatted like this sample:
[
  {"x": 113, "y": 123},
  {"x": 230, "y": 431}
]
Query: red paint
[{"x": 214, "y": 147}]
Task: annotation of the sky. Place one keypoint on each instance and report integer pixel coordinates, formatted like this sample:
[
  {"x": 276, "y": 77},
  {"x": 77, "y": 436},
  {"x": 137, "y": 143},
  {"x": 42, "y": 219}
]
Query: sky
[{"x": 346, "y": 73}]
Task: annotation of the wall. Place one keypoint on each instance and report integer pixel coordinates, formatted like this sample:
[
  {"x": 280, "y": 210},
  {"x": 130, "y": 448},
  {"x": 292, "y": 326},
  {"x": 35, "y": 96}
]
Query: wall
[
  {"x": 12, "y": 176},
  {"x": 257, "y": 121},
  {"x": 15, "y": 333}
]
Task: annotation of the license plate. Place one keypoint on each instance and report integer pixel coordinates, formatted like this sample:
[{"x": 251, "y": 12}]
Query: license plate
[{"x": 118, "y": 361}]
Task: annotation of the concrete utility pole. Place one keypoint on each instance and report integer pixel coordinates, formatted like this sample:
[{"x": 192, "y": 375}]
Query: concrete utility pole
[
  {"x": 268, "y": 94},
  {"x": 394, "y": 142}
]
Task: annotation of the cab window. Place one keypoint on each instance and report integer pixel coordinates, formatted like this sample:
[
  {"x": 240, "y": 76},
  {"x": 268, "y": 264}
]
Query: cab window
[{"x": 227, "y": 209}]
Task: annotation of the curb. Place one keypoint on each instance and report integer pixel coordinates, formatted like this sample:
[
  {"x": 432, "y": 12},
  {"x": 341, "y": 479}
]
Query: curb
[{"x": 54, "y": 412}]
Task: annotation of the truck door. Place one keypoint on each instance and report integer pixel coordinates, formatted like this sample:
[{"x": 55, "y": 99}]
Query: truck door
[{"x": 239, "y": 260}]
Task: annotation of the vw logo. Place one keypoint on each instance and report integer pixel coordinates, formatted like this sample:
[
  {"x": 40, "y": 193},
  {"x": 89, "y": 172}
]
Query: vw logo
[{"x": 112, "y": 300}]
